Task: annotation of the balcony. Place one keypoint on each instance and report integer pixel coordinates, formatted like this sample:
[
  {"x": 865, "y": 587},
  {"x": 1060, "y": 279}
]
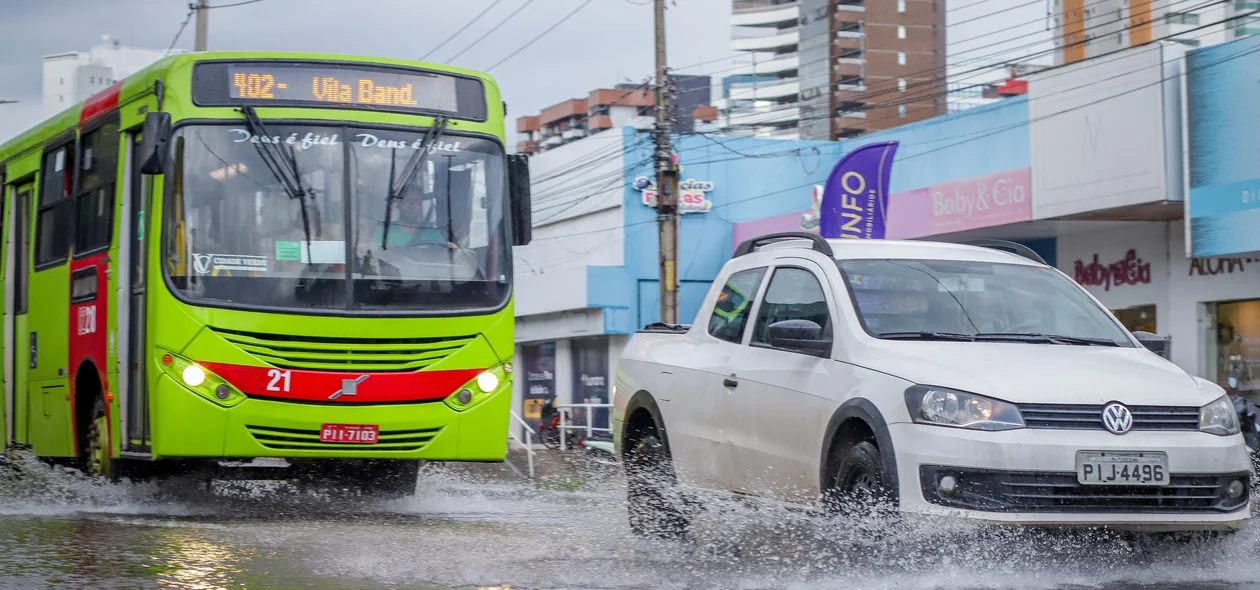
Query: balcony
[
  {"x": 576, "y": 133},
  {"x": 850, "y": 31},
  {"x": 764, "y": 68},
  {"x": 766, "y": 43},
  {"x": 765, "y": 90},
  {"x": 771, "y": 115},
  {"x": 764, "y": 15}
]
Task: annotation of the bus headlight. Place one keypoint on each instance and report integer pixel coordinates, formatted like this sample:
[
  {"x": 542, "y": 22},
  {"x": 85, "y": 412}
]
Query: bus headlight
[
  {"x": 194, "y": 376},
  {"x": 480, "y": 388},
  {"x": 200, "y": 380},
  {"x": 488, "y": 381}
]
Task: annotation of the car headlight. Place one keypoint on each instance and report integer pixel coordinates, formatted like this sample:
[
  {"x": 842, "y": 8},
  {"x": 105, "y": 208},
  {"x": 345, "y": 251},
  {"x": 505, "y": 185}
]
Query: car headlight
[
  {"x": 1219, "y": 417},
  {"x": 959, "y": 409}
]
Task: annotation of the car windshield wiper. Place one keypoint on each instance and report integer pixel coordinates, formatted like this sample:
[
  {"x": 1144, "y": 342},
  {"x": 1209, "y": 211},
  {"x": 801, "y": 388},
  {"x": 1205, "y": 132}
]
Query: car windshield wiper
[
  {"x": 282, "y": 163},
  {"x": 1037, "y": 338},
  {"x": 409, "y": 171},
  {"x": 1083, "y": 341},
  {"x": 926, "y": 335}
]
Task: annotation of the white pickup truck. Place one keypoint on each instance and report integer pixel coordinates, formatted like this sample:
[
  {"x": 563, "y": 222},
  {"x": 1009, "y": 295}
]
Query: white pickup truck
[{"x": 936, "y": 379}]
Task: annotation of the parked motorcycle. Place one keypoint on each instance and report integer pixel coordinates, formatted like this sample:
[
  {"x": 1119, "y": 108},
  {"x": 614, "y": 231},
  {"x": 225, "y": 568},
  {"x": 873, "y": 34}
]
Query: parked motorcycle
[{"x": 1248, "y": 420}]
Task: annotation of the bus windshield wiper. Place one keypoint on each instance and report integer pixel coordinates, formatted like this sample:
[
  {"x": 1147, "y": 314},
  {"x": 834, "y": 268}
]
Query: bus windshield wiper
[
  {"x": 409, "y": 171},
  {"x": 926, "y": 335},
  {"x": 282, "y": 163}
]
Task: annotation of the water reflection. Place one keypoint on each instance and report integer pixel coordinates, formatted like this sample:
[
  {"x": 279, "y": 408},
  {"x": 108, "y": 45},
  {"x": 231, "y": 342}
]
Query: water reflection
[{"x": 59, "y": 530}]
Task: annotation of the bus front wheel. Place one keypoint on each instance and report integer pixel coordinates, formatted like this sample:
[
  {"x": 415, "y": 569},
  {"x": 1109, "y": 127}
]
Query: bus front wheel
[{"x": 96, "y": 447}]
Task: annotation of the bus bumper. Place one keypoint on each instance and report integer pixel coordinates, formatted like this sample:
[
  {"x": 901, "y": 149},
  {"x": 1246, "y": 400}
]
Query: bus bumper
[{"x": 194, "y": 427}]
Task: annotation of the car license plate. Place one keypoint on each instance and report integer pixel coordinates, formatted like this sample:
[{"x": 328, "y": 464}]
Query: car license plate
[
  {"x": 350, "y": 433},
  {"x": 1122, "y": 468}
]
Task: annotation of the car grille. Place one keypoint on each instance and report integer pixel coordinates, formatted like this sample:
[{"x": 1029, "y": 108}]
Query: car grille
[
  {"x": 1089, "y": 417},
  {"x": 1031, "y": 491},
  {"x": 360, "y": 355},
  {"x": 294, "y": 439}
]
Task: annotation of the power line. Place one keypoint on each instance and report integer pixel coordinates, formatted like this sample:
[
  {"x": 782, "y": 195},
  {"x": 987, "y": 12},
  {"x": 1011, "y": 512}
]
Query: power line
[
  {"x": 234, "y": 4},
  {"x": 977, "y": 137},
  {"x": 934, "y": 81},
  {"x": 540, "y": 35},
  {"x": 461, "y": 29},
  {"x": 187, "y": 18},
  {"x": 985, "y": 68},
  {"x": 1048, "y": 72},
  {"x": 492, "y": 30}
]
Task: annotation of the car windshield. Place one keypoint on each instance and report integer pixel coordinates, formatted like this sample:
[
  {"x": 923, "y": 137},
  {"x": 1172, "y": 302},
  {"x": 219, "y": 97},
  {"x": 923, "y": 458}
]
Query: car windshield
[
  {"x": 237, "y": 230},
  {"x": 963, "y": 300}
]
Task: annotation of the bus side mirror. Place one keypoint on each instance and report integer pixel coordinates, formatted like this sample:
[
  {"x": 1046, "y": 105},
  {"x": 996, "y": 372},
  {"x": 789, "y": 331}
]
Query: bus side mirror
[
  {"x": 155, "y": 133},
  {"x": 519, "y": 196}
]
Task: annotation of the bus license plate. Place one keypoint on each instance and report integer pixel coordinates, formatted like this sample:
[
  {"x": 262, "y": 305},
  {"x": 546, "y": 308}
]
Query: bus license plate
[
  {"x": 350, "y": 433},
  {"x": 1120, "y": 468}
]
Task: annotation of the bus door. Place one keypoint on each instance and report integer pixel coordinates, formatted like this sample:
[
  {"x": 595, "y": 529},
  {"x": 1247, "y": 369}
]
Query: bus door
[
  {"x": 17, "y": 352},
  {"x": 137, "y": 201},
  {"x": 90, "y": 267}
]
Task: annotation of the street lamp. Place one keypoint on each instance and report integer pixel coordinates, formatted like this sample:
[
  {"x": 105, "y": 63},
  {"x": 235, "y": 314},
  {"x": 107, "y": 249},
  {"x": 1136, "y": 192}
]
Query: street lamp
[{"x": 7, "y": 101}]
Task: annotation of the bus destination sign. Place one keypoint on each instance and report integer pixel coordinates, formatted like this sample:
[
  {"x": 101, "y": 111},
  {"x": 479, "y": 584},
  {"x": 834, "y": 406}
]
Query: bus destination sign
[{"x": 342, "y": 86}]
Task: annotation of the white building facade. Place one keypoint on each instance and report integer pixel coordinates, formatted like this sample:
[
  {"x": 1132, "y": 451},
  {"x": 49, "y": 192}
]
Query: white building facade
[{"x": 73, "y": 76}]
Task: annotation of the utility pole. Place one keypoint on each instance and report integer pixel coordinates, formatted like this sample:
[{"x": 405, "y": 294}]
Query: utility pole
[
  {"x": 203, "y": 24},
  {"x": 666, "y": 179}
]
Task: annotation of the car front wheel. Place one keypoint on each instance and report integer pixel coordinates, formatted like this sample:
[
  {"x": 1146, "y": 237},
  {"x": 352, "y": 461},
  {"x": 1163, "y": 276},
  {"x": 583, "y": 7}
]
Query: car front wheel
[
  {"x": 860, "y": 485},
  {"x": 651, "y": 490}
]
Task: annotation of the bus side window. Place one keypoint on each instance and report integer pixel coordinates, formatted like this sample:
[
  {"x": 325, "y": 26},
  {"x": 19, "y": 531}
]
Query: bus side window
[
  {"x": 94, "y": 201},
  {"x": 55, "y": 213}
]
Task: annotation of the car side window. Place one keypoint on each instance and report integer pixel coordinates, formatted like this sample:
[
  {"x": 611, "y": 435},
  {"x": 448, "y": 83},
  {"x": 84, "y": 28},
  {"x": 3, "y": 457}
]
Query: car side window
[
  {"x": 734, "y": 304},
  {"x": 793, "y": 294}
]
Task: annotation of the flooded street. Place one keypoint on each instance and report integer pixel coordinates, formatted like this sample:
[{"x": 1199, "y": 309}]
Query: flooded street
[{"x": 58, "y": 530}]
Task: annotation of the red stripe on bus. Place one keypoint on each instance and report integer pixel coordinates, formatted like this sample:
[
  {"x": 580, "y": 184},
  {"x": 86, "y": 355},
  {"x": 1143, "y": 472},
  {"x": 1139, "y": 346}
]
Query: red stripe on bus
[
  {"x": 354, "y": 388},
  {"x": 101, "y": 103}
]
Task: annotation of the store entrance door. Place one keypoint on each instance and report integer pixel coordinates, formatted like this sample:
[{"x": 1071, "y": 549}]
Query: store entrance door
[
  {"x": 1237, "y": 345},
  {"x": 590, "y": 377}
]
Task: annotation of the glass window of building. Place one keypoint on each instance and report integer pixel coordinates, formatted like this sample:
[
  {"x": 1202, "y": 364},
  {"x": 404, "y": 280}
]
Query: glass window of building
[{"x": 1236, "y": 347}]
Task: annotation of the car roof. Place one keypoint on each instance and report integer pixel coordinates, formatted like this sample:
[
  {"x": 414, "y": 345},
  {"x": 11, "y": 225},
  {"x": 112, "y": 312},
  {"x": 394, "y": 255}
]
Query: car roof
[{"x": 846, "y": 249}]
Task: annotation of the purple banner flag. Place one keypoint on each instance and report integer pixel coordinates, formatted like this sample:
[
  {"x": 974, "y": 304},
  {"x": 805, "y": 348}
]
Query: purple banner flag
[{"x": 855, "y": 200}]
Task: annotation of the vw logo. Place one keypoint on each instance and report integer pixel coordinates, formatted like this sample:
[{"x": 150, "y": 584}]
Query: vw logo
[{"x": 1117, "y": 418}]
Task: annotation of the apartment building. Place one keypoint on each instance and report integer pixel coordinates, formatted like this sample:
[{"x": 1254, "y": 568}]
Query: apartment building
[
  {"x": 1088, "y": 28},
  {"x": 614, "y": 108},
  {"x": 832, "y": 69}
]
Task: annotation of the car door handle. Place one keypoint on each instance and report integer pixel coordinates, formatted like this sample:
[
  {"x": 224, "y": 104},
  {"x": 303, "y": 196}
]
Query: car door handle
[{"x": 730, "y": 382}]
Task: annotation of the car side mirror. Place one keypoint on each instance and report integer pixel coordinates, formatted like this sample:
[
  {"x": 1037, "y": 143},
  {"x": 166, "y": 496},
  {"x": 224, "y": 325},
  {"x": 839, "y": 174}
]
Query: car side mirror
[
  {"x": 155, "y": 134},
  {"x": 1153, "y": 342},
  {"x": 519, "y": 195},
  {"x": 801, "y": 336}
]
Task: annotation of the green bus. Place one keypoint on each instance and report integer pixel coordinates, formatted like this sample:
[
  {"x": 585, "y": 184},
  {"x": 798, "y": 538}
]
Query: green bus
[{"x": 237, "y": 257}]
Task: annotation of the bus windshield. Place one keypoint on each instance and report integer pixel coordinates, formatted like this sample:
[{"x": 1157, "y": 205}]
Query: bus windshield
[{"x": 305, "y": 228}]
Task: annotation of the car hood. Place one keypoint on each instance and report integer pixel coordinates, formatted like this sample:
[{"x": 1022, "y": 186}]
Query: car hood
[{"x": 1042, "y": 373}]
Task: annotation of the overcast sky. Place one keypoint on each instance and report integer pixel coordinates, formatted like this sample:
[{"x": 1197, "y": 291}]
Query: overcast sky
[{"x": 607, "y": 42}]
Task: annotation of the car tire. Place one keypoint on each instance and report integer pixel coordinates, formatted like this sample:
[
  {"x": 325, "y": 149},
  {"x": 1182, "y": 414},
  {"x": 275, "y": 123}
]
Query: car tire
[
  {"x": 859, "y": 486},
  {"x": 652, "y": 498}
]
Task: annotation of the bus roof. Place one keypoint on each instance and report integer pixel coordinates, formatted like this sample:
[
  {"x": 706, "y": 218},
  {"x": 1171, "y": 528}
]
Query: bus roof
[{"x": 143, "y": 81}]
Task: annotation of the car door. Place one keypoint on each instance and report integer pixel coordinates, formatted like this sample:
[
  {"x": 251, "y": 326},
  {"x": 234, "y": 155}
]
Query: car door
[
  {"x": 783, "y": 399},
  {"x": 702, "y": 409}
]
